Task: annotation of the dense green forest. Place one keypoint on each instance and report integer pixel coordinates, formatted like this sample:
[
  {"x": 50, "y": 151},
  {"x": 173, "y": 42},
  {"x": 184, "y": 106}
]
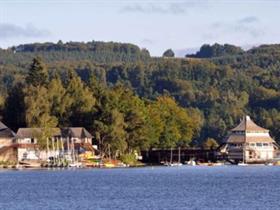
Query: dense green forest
[{"x": 130, "y": 100}]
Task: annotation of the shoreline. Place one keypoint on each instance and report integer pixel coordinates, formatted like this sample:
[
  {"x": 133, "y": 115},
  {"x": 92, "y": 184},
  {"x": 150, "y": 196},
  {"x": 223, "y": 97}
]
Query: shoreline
[{"x": 13, "y": 168}]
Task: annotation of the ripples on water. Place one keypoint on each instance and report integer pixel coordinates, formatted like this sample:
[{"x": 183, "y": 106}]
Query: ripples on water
[{"x": 142, "y": 188}]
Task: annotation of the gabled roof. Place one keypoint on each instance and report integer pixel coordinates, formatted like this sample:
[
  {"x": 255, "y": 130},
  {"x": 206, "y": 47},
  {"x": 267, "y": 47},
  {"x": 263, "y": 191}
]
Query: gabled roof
[
  {"x": 248, "y": 125},
  {"x": 6, "y": 132},
  {"x": 34, "y": 132},
  {"x": 76, "y": 132},
  {"x": 248, "y": 131}
]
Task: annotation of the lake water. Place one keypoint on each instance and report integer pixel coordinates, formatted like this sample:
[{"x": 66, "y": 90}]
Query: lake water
[{"x": 222, "y": 187}]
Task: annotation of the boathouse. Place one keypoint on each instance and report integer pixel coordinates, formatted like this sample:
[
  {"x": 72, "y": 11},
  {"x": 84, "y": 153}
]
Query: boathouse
[
  {"x": 250, "y": 143},
  {"x": 62, "y": 140}
]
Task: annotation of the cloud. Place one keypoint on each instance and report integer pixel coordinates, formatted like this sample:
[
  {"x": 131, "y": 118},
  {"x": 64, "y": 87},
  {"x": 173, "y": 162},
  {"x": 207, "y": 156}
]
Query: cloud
[
  {"x": 176, "y": 7},
  {"x": 252, "y": 31},
  {"x": 147, "y": 41},
  {"x": 249, "y": 19},
  {"x": 249, "y": 26},
  {"x": 8, "y": 31}
]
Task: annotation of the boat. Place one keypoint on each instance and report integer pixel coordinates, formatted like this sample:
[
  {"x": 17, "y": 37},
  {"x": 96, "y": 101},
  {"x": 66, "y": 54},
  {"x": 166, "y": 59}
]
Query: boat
[
  {"x": 269, "y": 164},
  {"x": 175, "y": 164},
  {"x": 171, "y": 163},
  {"x": 76, "y": 165},
  {"x": 191, "y": 163},
  {"x": 242, "y": 164}
]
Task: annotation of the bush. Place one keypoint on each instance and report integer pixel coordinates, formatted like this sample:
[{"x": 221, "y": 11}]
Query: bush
[{"x": 129, "y": 159}]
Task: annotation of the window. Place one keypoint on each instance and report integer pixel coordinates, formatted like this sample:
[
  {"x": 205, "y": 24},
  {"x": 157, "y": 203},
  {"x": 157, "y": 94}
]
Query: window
[
  {"x": 250, "y": 154},
  {"x": 252, "y": 144},
  {"x": 265, "y": 144},
  {"x": 32, "y": 141},
  {"x": 259, "y": 144}
]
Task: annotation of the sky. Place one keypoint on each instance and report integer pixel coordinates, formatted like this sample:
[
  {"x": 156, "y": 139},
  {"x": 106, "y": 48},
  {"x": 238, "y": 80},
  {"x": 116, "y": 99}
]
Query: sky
[{"x": 182, "y": 25}]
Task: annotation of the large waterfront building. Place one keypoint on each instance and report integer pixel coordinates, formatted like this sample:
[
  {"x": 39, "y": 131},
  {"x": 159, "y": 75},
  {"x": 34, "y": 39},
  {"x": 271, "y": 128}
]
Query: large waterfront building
[
  {"x": 250, "y": 143},
  {"x": 62, "y": 140},
  {"x": 24, "y": 145}
]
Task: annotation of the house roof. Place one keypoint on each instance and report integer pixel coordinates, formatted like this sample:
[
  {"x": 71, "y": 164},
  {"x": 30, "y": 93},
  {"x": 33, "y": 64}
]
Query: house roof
[
  {"x": 34, "y": 132},
  {"x": 236, "y": 138},
  {"x": 76, "y": 132},
  {"x": 6, "y": 132},
  {"x": 249, "y": 132},
  {"x": 257, "y": 139},
  {"x": 248, "y": 125}
]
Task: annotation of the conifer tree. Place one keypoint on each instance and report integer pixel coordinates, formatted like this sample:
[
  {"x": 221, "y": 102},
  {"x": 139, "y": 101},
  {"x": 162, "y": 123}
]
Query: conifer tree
[{"x": 38, "y": 74}]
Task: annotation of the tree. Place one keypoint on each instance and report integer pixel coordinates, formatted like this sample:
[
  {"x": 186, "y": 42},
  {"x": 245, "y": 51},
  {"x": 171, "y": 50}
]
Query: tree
[
  {"x": 81, "y": 102},
  {"x": 178, "y": 128},
  {"x": 38, "y": 74},
  {"x": 168, "y": 53},
  {"x": 59, "y": 100},
  {"x": 47, "y": 125},
  {"x": 14, "y": 113},
  {"x": 36, "y": 104},
  {"x": 210, "y": 143}
]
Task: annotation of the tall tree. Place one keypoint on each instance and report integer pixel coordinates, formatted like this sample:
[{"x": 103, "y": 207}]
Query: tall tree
[
  {"x": 36, "y": 104},
  {"x": 82, "y": 102},
  {"x": 37, "y": 74},
  {"x": 14, "y": 114},
  {"x": 59, "y": 100}
]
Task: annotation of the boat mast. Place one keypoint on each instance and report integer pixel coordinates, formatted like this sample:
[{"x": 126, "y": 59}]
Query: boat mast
[
  {"x": 179, "y": 155},
  {"x": 73, "y": 149},
  {"x": 57, "y": 151},
  {"x": 68, "y": 146},
  {"x": 47, "y": 148},
  {"x": 53, "y": 150},
  {"x": 171, "y": 154}
]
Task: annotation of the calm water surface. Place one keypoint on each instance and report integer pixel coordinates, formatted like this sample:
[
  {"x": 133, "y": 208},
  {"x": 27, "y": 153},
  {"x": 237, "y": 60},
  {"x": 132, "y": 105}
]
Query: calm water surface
[{"x": 185, "y": 187}]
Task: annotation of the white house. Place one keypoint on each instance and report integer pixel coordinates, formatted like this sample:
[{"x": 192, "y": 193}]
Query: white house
[
  {"x": 250, "y": 143},
  {"x": 63, "y": 140}
]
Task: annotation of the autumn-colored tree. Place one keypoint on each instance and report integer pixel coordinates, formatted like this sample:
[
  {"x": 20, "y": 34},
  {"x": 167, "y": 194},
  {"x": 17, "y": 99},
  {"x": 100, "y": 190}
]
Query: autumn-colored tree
[{"x": 210, "y": 143}]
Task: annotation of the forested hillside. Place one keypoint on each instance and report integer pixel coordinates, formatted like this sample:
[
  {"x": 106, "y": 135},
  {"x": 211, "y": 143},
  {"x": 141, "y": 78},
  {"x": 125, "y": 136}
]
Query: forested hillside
[{"x": 215, "y": 87}]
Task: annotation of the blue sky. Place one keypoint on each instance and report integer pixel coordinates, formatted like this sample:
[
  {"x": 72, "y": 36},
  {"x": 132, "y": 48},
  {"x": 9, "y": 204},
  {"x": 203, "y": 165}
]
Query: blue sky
[{"x": 183, "y": 25}]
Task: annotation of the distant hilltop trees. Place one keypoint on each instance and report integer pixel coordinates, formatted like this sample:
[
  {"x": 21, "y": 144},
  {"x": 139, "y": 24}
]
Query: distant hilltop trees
[
  {"x": 98, "y": 51},
  {"x": 216, "y": 50},
  {"x": 169, "y": 53}
]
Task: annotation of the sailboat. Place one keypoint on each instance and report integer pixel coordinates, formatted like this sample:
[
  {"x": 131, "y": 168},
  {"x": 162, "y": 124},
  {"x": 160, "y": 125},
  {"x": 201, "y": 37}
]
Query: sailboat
[
  {"x": 74, "y": 164},
  {"x": 179, "y": 159}
]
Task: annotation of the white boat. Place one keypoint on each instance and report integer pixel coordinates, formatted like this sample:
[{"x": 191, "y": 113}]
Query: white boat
[
  {"x": 172, "y": 164},
  {"x": 175, "y": 164},
  {"x": 75, "y": 165},
  {"x": 242, "y": 164},
  {"x": 191, "y": 163},
  {"x": 269, "y": 164}
]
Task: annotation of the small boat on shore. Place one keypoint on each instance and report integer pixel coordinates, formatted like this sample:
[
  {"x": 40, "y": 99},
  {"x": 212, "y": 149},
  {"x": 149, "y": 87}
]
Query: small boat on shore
[
  {"x": 191, "y": 163},
  {"x": 76, "y": 165},
  {"x": 242, "y": 164}
]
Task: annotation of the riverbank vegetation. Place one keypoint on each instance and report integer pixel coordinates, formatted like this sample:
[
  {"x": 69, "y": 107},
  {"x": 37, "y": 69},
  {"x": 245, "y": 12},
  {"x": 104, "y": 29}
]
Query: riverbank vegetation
[{"x": 132, "y": 101}]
